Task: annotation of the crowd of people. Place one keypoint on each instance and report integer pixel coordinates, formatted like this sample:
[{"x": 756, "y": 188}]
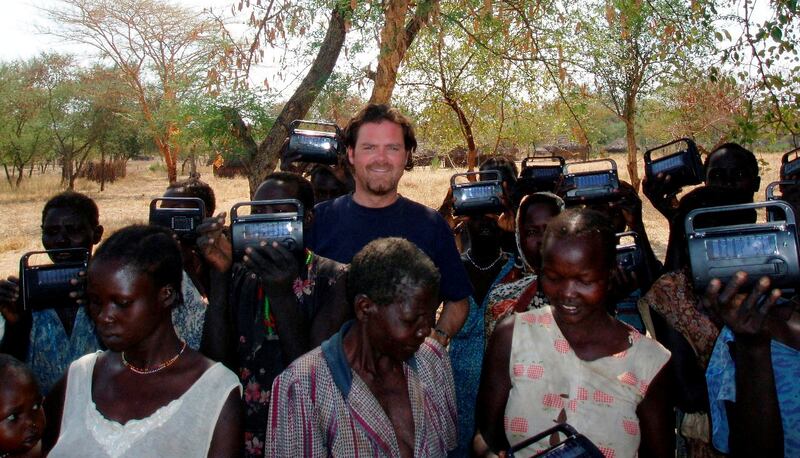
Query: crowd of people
[{"x": 393, "y": 329}]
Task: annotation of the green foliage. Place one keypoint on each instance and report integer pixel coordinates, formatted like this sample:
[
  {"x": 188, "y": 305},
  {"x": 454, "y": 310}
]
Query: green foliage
[{"x": 207, "y": 119}]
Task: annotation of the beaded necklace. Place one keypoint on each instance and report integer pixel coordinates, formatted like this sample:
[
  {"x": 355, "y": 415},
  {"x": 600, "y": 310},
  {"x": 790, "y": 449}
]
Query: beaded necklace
[
  {"x": 154, "y": 369},
  {"x": 482, "y": 268},
  {"x": 269, "y": 320}
]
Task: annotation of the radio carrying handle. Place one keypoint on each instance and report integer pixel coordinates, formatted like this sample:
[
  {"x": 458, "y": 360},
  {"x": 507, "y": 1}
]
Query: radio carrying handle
[
  {"x": 594, "y": 161},
  {"x": 787, "y": 209},
  {"x": 195, "y": 200},
  {"x": 550, "y": 158},
  {"x": 633, "y": 234},
  {"x": 785, "y": 157},
  {"x": 254, "y": 203},
  {"x": 296, "y": 123},
  {"x": 692, "y": 146},
  {"x": 770, "y": 194},
  {"x": 468, "y": 174}
]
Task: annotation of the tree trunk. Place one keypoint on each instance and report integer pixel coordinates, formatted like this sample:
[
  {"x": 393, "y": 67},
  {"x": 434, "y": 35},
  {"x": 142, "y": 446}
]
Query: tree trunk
[
  {"x": 8, "y": 176},
  {"x": 630, "y": 136},
  {"x": 102, "y": 169},
  {"x": 395, "y": 41},
  {"x": 266, "y": 157},
  {"x": 21, "y": 173},
  {"x": 466, "y": 129}
]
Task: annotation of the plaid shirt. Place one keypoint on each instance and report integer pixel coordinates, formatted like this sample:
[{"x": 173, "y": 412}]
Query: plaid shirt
[{"x": 311, "y": 415}]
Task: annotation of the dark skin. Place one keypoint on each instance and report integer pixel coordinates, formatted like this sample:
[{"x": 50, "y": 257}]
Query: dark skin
[
  {"x": 625, "y": 212},
  {"x": 755, "y": 319},
  {"x": 21, "y": 416},
  {"x": 193, "y": 262},
  {"x": 485, "y": 236},
  {"x": 576, "y": 278},
  {"x": 62, "y": 227},
  {"x": 533, "y": 223},
  {"x": 380, "y": 341},
  {"x": 133, "y": 315},
  {"x": 723, "y": 169},
  {"x": 277, "y": 268}
]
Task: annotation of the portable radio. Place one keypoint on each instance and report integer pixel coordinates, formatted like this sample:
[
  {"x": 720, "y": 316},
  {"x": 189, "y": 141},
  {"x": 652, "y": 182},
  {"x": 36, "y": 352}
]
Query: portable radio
[
  {"x": 540, "y": 173},
  {"x": 684, "y": 167},
  {"x": 318, "y": 146},
  {"x": 790, "y": 165},
  {"x": 250, "y": 230},
  {"x": 759, "y": 249},
  {"x": 479, "y": 197},
  {"x": 181, "y": 214},
  {"x": 592, "y": 185},
  {"x": 575, "y": 445},
  {"x": 48, "y": 285}
]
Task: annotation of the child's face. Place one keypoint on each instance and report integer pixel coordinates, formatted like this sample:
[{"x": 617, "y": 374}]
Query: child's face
[
  {"x": 125, "y": 304},
  {"x": 575, "y": 277},
  {"x": 21, "y": 415}
]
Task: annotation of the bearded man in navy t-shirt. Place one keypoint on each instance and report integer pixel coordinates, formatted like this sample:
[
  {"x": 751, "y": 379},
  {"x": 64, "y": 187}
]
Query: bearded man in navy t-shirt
[{"x": 380, "y": 142}]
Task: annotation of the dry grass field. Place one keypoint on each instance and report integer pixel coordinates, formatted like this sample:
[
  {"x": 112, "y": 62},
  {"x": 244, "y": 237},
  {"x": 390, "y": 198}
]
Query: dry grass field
[{"x": 126, "y": 201}]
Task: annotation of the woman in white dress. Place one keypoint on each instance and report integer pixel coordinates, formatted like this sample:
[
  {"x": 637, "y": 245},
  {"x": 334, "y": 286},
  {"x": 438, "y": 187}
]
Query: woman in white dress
[{"x": 149, "y": 394}]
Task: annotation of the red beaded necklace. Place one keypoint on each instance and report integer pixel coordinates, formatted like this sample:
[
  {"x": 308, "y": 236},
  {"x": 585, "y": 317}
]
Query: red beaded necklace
[{"x": 156, "y": 368}]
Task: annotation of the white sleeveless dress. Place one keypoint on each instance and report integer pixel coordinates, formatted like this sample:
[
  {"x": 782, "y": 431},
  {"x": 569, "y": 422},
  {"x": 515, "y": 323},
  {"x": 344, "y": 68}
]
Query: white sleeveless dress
[{"x": 184, "y": 427}]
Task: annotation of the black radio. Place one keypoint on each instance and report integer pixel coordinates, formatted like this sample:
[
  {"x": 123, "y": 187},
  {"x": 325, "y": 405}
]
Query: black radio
[
  {"x": 591, "y": 185},
  {"x": 250, "y": 230},
  {"x": 630, "y": 255},
  {"x": 684, "y": 167},
  {"x": 759, "y": 249},
  {"x": 48, "y": 285},
  {"x": 479, "y": 197},
  {"x": 789, "y": 193},
  {"x": 181, "y": 214},
  {"x": 575, "y": 445},
  {"x": 540, "y": 173},
  {"x": 318, "y": 146},
  {"x": 790, "y": 165}
]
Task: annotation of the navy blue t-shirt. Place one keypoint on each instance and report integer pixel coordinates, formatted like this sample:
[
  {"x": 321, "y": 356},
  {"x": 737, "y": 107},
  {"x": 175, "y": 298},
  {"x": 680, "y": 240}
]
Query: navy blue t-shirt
[{"x": 342, "y": 227}]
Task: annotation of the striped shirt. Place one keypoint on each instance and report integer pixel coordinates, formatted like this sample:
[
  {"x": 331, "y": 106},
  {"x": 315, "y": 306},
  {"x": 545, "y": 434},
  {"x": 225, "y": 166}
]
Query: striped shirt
[{"x": 321, "y": 407}]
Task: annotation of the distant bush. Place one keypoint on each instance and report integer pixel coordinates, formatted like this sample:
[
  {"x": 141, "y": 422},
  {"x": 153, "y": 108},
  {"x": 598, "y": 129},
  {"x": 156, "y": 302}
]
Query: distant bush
[{"x": 110, "y": 171}]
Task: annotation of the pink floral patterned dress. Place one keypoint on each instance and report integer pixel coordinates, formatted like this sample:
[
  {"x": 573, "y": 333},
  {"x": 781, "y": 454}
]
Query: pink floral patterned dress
[{"x": 551, "y": 385}]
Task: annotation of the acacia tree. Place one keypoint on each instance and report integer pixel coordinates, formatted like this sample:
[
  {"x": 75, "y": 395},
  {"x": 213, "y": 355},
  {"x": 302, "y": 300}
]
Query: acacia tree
[
  {"x": 764, "y": 55},
  {"x": 402, "y": 20},
  {"x": 24, "y": 130},
  {"x": 162, "y": 50},
  {"x": 627, "y": 46},
  {"x": 445, "y": 68}
]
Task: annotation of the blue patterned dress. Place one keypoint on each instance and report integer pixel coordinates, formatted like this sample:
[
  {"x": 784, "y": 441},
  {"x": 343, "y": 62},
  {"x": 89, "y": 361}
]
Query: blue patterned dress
[
  {"x": 721, "y": 379},
  {"x": 51, "y": 351},
  {"x": 189, "y": 317},
  {"x": 466, "y": 356}
]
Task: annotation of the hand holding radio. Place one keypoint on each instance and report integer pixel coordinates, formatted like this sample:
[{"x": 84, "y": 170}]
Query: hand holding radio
[
  {"x": 630, "y": 205},
  {"x": 10, "y": 306},
  {"x": 744, "y": 313},
  {"x": 274, "y": 265},
  {"x": 214, "y": 243},
  {"x": 659, "y": 191},
  {"x": 79, "y": 282}
]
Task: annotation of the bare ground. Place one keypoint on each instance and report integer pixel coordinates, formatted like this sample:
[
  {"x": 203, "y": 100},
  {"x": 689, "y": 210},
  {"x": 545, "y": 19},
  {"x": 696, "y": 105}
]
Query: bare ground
[{"x": 126, "y": 201}]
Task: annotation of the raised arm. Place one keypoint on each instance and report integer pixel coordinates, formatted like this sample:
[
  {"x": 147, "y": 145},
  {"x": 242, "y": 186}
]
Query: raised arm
[{"x": 218, "y": 336}]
